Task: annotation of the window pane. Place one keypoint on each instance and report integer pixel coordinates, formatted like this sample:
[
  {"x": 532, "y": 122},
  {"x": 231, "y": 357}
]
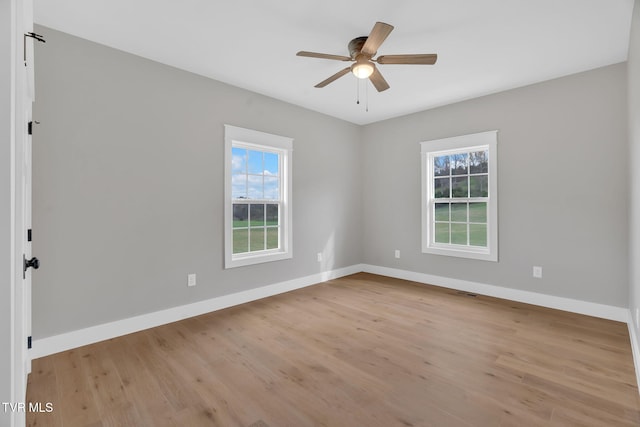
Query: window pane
[
  {"x": 271, "y": 164},
  {"x": 442, "y": 211},
  {"x": 257, "y": 239},
  {"x": 442, "y": 232},
  {"x": 255, "y": 162},
  {"x": 240, "y": 218},
  {"x": 460, "y": 186},
  {"x": 240, "y": 240},
  {"x": 459, "y": 164},
  {"x": 271, "y": 188},
  {"x": 479, "y": 162},
  {"x": 272, "y": 215},
  {"x": 273, "y": 238},
  {"x": 239, "y": 186},
  {"x": 459, "y": 212},
  {"x": 479, "y": 186},
  {"x": 478, "y": 212},
  {"x": 238, "y": 160},
  {"x": 441, "y": 166},
  {"x": 459, "y": 234},
  {"x": 478, "y": 235},
  {"x": 255, "y": 187},
  {"x": 256, "y": 214},
  {"x": 441, "y": 187}
]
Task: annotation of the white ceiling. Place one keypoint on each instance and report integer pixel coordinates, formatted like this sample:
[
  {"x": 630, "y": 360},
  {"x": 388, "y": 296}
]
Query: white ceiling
[{"x": 483, "y": 46}]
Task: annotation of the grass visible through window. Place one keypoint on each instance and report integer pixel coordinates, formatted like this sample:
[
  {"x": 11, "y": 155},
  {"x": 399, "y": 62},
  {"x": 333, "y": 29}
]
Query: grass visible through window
[
  {"x": 241, "y": 239},
  {"x": 453, "y": 224}
]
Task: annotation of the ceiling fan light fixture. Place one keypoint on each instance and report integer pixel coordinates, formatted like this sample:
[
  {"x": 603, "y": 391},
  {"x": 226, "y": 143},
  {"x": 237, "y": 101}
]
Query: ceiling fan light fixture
[
  {"x": 361, "y": 53},
  {"x": 362, "y": 69}
]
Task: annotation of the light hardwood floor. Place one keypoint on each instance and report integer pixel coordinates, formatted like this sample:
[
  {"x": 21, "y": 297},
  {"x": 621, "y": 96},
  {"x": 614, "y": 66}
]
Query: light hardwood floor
[{"x": 363, "y": 350}]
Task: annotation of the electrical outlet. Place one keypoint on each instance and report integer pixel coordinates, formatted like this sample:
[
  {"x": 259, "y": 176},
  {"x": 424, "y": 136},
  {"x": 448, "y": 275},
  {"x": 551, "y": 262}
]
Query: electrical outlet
[
  {"x": 397, "y": 253},
  {"x": 191, "y": 279},
  {"x": 637, "y": 318},
  {"x": 319, "y": 256},
  {"x": 537, "y": 272}
]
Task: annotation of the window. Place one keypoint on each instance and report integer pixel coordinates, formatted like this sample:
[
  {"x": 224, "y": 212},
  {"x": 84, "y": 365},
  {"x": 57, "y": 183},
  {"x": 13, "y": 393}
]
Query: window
[
  {"x": 459, "y": 196},
  {"x": 257, "y": 197}
]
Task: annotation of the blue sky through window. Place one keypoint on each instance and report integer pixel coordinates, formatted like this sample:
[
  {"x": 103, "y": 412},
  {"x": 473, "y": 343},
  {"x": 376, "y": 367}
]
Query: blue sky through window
[{"x": 254, "y": 174}]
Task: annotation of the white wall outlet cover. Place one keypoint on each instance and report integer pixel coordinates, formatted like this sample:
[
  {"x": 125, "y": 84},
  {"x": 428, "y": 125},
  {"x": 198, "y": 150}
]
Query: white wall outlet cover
[
  {"x": 319, "y": 256},
  {"x": 397, "y": 253},
  {"x": 191, "y": 280},
  {"x": 537, "y": 272}
]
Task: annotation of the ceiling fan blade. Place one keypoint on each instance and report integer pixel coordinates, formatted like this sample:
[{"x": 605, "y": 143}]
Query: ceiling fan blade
[
  {"x": 378, "y": 34},
  {"x": 427, "y": 59},
  {"x": 378, "y": 81},
  {"x": 336, "y": 76},
  {"x": 323, "y": 56}
]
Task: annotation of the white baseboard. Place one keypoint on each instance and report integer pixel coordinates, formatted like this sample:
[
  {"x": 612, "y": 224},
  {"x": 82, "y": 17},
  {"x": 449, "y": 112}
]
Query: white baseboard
[
  {"x": 57, "y": 343},
  {"x": 635, "y": 346},
  {"x": 66, "y": 341},
  {"x": 566, "y": 304}
]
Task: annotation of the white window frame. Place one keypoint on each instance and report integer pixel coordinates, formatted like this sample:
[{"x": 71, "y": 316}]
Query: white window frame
[
  {"x": 249, "y": 138},
  {"x": 429, "y": 150}
]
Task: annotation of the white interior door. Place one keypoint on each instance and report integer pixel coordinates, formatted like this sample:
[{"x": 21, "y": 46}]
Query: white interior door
[
  {"x": 28, "y": 96},
  {"x": 27, "y": 238}
]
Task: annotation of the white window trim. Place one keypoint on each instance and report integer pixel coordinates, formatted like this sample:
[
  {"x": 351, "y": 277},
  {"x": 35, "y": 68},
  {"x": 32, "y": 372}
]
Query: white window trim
[
  {"x": 440, "y": 146},
  {"x": 263, "y": 140}
]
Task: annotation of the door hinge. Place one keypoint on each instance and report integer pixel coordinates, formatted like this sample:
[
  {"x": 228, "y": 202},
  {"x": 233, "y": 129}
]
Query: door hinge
[
  {"x": 28, "y": 342},
  {"x": 29, "y": 235},
  {"x": 30, "y": 126}
]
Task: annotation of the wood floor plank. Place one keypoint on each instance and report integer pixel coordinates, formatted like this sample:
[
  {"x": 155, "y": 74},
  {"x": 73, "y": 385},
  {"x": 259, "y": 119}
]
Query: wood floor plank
[
  {"x": 75, "y": 395},
  {"x": 43, "y": 388},
  {"x": 360, "y": 350}
]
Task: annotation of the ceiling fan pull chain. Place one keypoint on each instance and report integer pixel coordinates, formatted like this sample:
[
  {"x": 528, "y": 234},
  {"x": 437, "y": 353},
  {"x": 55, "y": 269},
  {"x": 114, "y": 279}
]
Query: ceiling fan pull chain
[
  {"x": 358, "y": 91},
  {"x": 366, "y": 97}
]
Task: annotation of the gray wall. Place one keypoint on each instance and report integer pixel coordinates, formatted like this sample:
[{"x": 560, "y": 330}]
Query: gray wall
[
  {"x": 6, "y": 321},
  {"x": 562, "y": 148},
  {"x": 634, "y": 159},
  {"x": 128, "y": 186}
]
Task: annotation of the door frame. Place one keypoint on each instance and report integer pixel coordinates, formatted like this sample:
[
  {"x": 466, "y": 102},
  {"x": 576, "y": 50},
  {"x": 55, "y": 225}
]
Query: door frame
[{"x": 19, "y": 18}]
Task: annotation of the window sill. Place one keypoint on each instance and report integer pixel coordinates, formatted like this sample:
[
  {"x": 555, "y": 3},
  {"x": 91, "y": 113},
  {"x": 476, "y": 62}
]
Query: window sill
[
  {"x": 462, "y": 252},
  {"x": 246, "y": 259}
]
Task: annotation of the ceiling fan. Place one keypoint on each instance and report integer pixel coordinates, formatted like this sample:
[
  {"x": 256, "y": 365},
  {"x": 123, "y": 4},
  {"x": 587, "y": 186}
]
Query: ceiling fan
[{"x": 362, "y": 50}]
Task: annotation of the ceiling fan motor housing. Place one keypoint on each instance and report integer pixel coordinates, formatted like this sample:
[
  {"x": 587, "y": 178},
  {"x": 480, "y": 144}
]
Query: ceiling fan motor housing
[{"x": 355, "y": 46}]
